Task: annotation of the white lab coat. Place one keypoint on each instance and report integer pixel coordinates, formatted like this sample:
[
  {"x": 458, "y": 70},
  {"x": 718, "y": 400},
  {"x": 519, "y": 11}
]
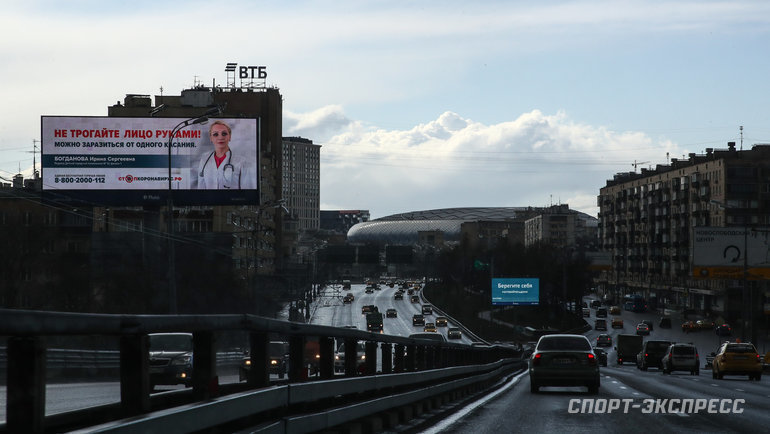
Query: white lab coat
[{"x": 230, "y": 175}]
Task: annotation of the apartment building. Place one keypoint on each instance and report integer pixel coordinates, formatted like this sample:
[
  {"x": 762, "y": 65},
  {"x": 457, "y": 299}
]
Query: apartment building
[{"x": 646, "y": 222}]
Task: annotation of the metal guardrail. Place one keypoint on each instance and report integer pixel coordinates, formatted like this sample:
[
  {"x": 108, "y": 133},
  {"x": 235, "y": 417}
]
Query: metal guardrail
[{"x": 401, "y": 358}]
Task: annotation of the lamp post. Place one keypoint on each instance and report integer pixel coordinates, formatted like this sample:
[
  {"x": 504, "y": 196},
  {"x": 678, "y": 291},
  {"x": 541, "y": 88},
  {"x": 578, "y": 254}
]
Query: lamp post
[{"x": 172, "y": 304}]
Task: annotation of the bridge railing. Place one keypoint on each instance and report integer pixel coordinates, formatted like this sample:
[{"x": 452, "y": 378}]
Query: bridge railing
[{"x": 26, "y": 333}]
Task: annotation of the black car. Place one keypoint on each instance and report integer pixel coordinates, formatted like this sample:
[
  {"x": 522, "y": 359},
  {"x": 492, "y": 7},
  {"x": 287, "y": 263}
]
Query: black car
[
  {"x": 277, "y": 361},
  {"x": 723, "y": 330},
  {"x": 601, "y": 312},
  {"x": 601, "y": 355},
  {"x": 652, "y": 353},
  {"x": 600, "y": 324},
  {"x": 171, "y": 359},
  {"x": 418, "y": 320}
]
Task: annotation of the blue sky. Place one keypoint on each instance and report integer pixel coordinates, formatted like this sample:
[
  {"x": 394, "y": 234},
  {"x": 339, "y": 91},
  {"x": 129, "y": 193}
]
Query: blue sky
[{"x": 419, "y": 104}]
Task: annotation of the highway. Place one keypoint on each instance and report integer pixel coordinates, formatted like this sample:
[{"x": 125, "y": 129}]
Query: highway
[
  {"x": 648, "y": 401},
  {"x": 629, "y": 400},
  {"x": 330, "y": 310}
]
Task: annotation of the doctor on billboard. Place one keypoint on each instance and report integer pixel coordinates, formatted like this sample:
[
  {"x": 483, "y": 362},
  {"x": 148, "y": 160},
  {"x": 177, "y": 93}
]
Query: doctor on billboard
[{"x": 222, "y": 168}]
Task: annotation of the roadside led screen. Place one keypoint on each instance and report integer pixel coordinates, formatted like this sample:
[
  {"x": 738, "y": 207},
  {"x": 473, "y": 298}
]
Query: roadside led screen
[
  {"x": 515, "y": 292},
  {"x": 126, "y": 161}
]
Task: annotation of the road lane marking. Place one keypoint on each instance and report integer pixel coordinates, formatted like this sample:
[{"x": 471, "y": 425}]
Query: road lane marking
[{"x": 464, "y": 411}]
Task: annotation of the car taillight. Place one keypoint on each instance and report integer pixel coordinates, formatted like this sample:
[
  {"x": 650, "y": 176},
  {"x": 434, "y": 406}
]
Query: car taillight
[
  {"x": 758, "y": 359},
  {"x": 646, "y": 355},
  {"x": 591, "y": 359},
  {"x": 536, "y": 359}
]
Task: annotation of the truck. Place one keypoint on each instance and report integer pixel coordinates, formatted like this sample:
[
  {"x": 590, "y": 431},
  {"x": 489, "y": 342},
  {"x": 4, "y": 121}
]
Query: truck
[
  {"x": 628, "y": 346},
  {"x": 374, "y": 322}
]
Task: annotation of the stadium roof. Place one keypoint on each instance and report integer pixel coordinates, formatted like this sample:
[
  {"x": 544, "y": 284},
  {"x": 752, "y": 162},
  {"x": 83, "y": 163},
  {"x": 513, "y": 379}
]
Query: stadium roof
[{"x": 404, "y": 228}]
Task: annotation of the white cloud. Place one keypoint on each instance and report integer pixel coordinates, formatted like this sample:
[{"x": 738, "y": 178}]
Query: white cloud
[{"x": 533, "y": 160}]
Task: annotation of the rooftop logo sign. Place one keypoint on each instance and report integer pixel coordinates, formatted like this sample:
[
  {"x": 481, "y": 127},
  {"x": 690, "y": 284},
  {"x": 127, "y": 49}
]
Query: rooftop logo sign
[{"x": 249, "y": 77}]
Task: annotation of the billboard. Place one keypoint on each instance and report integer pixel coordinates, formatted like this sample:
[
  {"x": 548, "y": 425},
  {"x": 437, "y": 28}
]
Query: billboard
[
  {"x": 126, "y": 161},
  {"x": 515, "y": 291},
  {"x": 722, "y": 252}
]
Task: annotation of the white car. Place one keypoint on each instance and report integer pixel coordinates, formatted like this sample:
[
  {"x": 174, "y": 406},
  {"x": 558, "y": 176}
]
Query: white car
[{"x": 681, "y": 357}]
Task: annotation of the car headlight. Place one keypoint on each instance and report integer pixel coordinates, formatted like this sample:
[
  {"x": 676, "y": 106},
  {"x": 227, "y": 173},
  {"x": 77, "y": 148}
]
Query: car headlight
[
  {"x": 181, "y": 360},
  {"x": 247, "y": 362}
]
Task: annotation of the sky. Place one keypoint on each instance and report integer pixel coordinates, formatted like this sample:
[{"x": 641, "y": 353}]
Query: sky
[{"x": 419, "y": 105}]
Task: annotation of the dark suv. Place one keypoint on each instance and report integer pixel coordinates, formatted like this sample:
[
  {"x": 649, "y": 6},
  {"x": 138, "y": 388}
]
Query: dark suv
[{"x": 651, "y": 354}]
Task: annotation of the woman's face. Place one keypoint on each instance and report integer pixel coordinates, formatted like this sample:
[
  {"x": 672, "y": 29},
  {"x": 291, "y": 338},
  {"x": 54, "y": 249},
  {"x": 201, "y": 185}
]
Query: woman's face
[{"x": 220, "y": 137}]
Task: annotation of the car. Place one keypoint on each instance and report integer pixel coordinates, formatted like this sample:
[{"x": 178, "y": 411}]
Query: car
[
  {"x": 651, "y": 354},
  {"x": 642, "y": 329},
  {"x": 277, "y": 361},
  {"x": 347, "y": 300},
  {"x": 427, "y": 309},
  {"x": 681, "y": 357},
  {"x": 339, "y": 357},
  {"x": 596, "y": 304},
  {"x": 391, "y": 313},
  {"x": 171, "y": 359},
  {"x": 723, "y": 330},
  {"x": 438, "y": 337},
  {"x": 601, "y": 355},
  {"x": 429, "y": 327},
  {"x": 600, "y": 324},
  {"x": 369, "y": 290},
  {"x": 564, "y": 360},
  {"x": 586, "y": 312},
  {"x": 418, "y": 320},
  {"x": 442, "y": 321},
  {"x": 601, "y": 312},
  {"x": 604, "y": 340},
  {"x": 617, "y": 323},
  {"x": 664, "y": 323},
  {"x": 648, "y": 322},
  {"x": 615, "y": 310},
  {"x": 415, "y": 299},
  {"x": 398, "y": 296},
  {"x": 737, "y": 358},
  {"x": 454, "y": 333}
]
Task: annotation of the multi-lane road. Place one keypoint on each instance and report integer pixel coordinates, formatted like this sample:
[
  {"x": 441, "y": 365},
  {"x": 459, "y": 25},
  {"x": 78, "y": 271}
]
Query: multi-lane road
[{"x": 330, "y": 310}]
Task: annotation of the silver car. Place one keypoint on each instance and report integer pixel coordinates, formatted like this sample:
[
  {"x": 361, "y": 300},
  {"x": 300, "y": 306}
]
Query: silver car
[
  {"x": 681, "y": 357},
  {"x": 564, "y": 360}
]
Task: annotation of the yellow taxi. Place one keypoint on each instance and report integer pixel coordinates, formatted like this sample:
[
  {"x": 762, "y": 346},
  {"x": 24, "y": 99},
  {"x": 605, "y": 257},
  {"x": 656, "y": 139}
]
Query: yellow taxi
[
  {"x": 617, "y": 323},
  {"x": 737, "y": 358}
]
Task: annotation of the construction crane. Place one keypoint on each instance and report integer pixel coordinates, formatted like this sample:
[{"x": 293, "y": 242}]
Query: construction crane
[{"x": 635, "y": 163}]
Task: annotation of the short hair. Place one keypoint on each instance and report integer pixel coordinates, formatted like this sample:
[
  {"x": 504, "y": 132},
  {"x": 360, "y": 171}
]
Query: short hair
[{"x": 218, "y": 122}]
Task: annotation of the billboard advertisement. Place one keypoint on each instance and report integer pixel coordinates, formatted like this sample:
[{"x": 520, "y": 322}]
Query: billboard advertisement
[
  {"x": 126, "y": 161},
  {"x": 722, "y": 252},
  {"x": 515, "y": 291}
]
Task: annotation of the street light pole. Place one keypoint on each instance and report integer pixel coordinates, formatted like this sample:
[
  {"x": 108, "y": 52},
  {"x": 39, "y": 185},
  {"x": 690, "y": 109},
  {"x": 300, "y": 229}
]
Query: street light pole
[{"x": 172, "y": 299}]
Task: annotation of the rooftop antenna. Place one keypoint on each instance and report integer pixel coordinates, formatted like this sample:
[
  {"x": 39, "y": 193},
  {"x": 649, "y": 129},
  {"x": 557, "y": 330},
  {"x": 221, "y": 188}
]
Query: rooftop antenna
[
  {"x": 35, "y": 173},
  {"x": 741, "y": 128}
]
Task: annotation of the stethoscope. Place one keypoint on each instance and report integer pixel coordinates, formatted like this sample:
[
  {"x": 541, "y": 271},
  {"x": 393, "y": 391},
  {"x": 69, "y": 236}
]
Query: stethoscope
[{"x": 228, "y": 167}]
